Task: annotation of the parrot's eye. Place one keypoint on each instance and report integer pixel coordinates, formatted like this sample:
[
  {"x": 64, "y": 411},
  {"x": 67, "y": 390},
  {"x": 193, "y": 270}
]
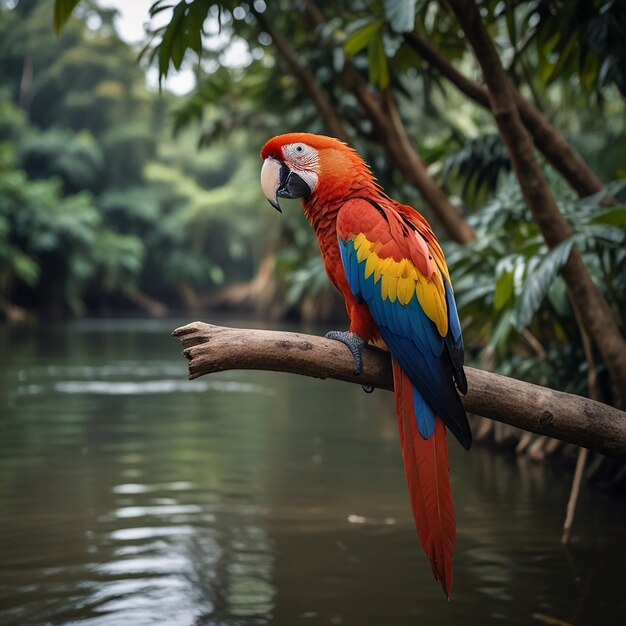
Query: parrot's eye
[
  {"x": 301, "y": 155},
  {"x": 298, "y": 150}
]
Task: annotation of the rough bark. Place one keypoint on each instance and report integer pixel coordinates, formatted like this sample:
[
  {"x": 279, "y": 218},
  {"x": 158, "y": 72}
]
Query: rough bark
[
  {"x": 571, "y": 418},
  {"x": 594, "y": 310},
  {"x": 563, "y": 156}
]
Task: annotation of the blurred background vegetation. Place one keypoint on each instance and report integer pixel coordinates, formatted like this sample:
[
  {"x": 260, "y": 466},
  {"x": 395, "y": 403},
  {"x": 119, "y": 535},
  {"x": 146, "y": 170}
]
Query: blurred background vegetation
[
  {"x": 101, "y": 210},
  {"x": 115, "y": 197}
]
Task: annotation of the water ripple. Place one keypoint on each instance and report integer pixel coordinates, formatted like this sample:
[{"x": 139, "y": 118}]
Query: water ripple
[
  {"x": 135, "y": 488},
  {"x": 146, "y": 511},
  {"x": 143, "y": 387},
  {"x": 149, "y": 532},
  {"x": 127, "y": 388}
]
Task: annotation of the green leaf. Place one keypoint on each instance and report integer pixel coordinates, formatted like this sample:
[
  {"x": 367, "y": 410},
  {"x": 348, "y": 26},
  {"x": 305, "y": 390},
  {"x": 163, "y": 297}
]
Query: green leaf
[
  {"x": 538, "y": 284},
  {"x": 171, "y": 45},
  {"x": 25, "y": 267},
  {"x": 401, "y": 15},
  {"x": 361, "y": 38},
  {"x": 557, "y": 294},
  {"x": 504, "y": 289},
  {"x": 610, "y": 234},
  {"x": 158, "y": 7},
  {"x": 501, "y": 332},
  {"x": 183, "y": 31},
  {"x": 62, "y": 11},
  {"x": 377, "y": 63},
  {"x": 614, "y": 217},
  {"x": 198, "y": 12},
  {"x": 510, "y": 23},
  {"x": 479, "y": 293}
]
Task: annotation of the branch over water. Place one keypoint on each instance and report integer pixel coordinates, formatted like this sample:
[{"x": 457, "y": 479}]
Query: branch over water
[{"x": 541, "y": 410}]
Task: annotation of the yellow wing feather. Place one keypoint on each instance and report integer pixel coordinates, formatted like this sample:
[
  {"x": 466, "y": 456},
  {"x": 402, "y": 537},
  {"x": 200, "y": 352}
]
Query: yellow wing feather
[{"x": 401, "y": 279}]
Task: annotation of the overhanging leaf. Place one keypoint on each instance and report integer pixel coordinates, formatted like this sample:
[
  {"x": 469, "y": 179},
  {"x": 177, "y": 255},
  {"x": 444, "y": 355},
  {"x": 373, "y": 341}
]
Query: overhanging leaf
[
  {"x": 540, "y": 281},
  {"x": 613, "y": 217},
  {"x": 171, "y": 45},
  {"x": 158, "y": 7},
  {"x": 62, "y": 11},
  {"x": 198, "y": 12},
  {"x": 504, "y": 289},
  {"x": 361, "y": 38},
  {"x": 610, "y": 234},
  {"x": 377, "y": 60}
]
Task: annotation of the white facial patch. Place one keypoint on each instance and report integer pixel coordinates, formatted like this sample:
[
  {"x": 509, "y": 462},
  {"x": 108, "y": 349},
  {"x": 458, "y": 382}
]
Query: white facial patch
[{"x": 304, "y": 161}]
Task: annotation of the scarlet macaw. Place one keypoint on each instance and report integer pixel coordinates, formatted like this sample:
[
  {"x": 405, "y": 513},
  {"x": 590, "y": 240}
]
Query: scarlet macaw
[{"x": 386, "y": 262}]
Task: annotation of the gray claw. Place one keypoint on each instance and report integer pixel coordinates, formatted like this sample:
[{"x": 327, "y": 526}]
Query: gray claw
[{"x": 354, "y": 343}]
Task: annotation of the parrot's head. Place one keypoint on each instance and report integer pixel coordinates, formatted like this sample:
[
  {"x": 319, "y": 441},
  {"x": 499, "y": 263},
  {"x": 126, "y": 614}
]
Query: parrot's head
[{"x": 302, "y": 165}]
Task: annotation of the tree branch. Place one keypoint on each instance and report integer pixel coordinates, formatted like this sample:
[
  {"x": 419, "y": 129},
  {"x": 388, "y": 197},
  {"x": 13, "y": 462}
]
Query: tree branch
[
  {"x": 563, "y": 156},
  {"x": 322, "y": 103},
  {"x": 571, "y": 418}
]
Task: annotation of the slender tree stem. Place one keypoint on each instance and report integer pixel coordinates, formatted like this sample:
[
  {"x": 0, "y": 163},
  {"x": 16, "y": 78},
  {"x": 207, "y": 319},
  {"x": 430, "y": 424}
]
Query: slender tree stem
[
  {"x": 324, "y": 106},
  {"x": 573, "y": 498},
  {"x": 594, "y": 392}
]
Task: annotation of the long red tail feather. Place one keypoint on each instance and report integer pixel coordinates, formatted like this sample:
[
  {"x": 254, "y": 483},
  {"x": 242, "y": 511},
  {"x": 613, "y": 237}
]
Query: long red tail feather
[{"x": 428, "y": 478}]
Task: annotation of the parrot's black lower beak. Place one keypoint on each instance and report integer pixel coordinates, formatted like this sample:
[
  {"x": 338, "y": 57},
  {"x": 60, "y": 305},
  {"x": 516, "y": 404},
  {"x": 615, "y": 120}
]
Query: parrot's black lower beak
[
  {"x": 293, "y": 186},
  {"x": 278, "y": 181}
]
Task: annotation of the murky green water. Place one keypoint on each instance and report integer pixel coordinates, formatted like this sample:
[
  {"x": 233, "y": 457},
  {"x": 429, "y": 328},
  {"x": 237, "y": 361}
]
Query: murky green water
[{"x": 129, "y": 495}]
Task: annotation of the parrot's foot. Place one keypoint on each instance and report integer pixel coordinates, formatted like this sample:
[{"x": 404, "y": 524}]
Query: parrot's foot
[{"x": 354, "y": 343}]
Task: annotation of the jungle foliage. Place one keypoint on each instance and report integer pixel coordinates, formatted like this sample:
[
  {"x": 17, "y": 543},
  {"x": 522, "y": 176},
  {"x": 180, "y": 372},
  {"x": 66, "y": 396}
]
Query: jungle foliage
[
  {"x": 366, "y": 60},
  {"x": 100, "y": 209}
]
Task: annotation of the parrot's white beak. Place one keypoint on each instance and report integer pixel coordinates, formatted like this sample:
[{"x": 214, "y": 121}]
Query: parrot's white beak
[
  {"x": 278, "y": 181},
  {"x": 270, "y": 181}
]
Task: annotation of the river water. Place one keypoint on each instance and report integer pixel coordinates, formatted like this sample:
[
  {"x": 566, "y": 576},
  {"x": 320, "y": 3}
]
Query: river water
[{"x": 129, "y": 495}]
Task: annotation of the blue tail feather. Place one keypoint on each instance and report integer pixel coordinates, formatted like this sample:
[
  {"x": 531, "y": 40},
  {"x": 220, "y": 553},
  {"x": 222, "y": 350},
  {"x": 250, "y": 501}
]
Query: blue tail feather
[{"x": 423, "y": 414}]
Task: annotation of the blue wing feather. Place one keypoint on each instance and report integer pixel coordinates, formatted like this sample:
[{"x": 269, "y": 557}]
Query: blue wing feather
[
  {"x": 453, "y": 315},
  {"x": 416, "y": 344},
  {"x": 454, "y": 342},
  {"x": 350, "y": 265},
  {"x": 367, "y": 287}
]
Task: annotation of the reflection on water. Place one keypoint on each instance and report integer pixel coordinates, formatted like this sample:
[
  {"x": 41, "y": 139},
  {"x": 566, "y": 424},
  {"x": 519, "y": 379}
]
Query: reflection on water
[{"x": 129, "y": 495}]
